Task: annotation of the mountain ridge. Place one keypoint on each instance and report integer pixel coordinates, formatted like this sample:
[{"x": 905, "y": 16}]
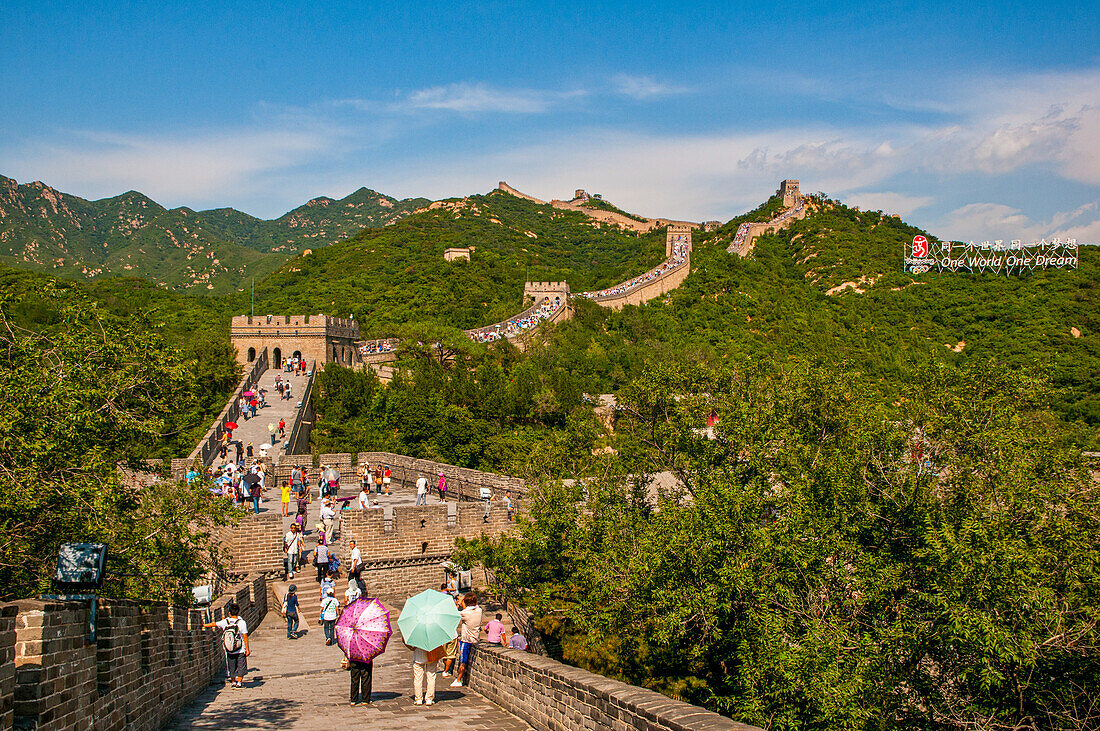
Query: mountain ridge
[{"x": 216, "y": 250}]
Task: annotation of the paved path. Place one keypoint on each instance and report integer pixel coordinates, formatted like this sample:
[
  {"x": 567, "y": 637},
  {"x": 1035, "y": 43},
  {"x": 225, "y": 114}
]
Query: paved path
[
  {"x": 298, "y": 684},
  {"x": 255, "y": 430}
]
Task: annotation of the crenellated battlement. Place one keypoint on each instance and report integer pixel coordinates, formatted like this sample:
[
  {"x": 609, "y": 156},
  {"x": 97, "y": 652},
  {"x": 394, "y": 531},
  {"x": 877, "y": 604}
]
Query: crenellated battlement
[{"x": 316, "y": 338}]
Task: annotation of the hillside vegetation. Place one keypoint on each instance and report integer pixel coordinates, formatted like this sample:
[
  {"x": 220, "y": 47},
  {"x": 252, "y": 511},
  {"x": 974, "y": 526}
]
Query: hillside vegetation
[
  {"x": 396, "y": 276},
  {"x": 212, "y": 251}
]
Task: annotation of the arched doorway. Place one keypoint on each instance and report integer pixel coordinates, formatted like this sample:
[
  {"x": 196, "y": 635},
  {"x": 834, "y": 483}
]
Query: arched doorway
[
  {"x": 251, "y": 354},
  {"x": 277, "y": 358}
]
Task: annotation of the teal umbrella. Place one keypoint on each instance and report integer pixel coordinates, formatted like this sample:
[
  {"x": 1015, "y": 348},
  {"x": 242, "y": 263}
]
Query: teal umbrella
[{"x": 429, "y": 620}]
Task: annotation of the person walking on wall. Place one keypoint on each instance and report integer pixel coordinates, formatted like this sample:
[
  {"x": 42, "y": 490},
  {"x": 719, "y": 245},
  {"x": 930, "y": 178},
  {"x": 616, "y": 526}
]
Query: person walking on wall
[
  {"x": 292, "y": 544},
  {"x": 469, "y": 633},
  {"x": 235, "y": 641},
  {"x": 285, "y": 487},
  {"x": 442, "y": 488},
  {"x": 290, "y": 611},
  {"x": 495, "y": 631},
  {"x": 355, "y": 565},
  {"x": 320, "y": 557},
  {"x": 421, "y": 490},
  {"x": 328, "y": 515},
  {"x": 330, "y": 612}
]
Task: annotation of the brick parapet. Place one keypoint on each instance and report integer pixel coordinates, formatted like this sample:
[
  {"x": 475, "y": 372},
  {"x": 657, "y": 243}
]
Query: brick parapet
[
  {"x": 416, "y": 532},
  {"x": 254, "y": 544},
  {"x": 551, "y": 695},
  {"x": 148, "y": 661},
  {"x": 463, "y": 483}
]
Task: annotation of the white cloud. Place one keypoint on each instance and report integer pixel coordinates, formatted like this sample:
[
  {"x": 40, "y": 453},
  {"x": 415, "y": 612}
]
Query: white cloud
[
  {"x": 643, "y": 88},
  {"x": 888, "y": 202},
  {"x": 198, "y": 166},
  {"x": 471, "y": 98},
  {"x": 991, "y": 221}
]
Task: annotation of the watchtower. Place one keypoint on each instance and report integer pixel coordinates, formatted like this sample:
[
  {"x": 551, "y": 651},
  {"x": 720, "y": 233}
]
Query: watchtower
[
  {"x": 316, "y": 338},
  {"x": 553, "y": 290},
  {"x": 788, "y": 189},
  {"x": 678, "y": 233}
]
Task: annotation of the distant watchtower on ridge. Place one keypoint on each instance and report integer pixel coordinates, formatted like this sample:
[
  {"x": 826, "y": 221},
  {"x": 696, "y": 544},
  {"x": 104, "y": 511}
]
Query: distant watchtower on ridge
[{"x": 788, "y": 189}]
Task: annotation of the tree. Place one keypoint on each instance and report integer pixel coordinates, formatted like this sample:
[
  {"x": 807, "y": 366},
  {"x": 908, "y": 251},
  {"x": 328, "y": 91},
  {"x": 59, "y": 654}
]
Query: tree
[
  {"x": 94, "y": 393},
  {"x": 840, "y": 561}
]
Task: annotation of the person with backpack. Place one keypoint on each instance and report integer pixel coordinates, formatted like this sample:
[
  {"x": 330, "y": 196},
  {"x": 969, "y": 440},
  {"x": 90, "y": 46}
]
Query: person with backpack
[
  {"x": 330, "y": 612},
  {"x": 235, "y": 642},
  {"x": 321, "y": 559}
]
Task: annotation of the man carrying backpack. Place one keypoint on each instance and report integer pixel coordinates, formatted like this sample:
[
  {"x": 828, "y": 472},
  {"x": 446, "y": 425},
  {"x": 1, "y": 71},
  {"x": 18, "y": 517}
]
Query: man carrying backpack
[{"x": 235, "y": 641}]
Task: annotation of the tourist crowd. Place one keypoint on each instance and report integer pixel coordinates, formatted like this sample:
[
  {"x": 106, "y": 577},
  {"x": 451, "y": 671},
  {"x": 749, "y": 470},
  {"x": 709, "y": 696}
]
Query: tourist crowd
[
  {"x": 742, "y": 235},
  {"x": 374, "y": 347},
  {"x": 679, "y": 256},
  {"x": 525, "y": 321}
]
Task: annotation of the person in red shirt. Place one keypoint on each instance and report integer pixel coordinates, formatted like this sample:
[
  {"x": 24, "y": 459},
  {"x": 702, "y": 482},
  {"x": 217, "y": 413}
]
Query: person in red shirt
[{"x": 282, "y": 428}]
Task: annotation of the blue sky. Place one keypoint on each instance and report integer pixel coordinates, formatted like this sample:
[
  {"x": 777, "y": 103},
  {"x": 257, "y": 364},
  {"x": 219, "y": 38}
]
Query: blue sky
[{"x": 976, "y": 122}]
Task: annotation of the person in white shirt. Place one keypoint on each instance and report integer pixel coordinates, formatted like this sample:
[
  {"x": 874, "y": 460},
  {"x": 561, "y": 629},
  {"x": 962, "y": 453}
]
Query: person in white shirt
[
  {"x": 292, "y": 541},
  {"x": 422, "y": 490},
  {"x": 364, "y": 498},
  {"x": 355, "y": 567},
  {"x": 327, "y": 516},
  {"x": 423, "y": 692}
]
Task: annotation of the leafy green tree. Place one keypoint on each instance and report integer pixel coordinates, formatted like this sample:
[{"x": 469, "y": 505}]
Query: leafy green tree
[
  {"x": 76, "y": 402},
  {"x": 839, "y": 561}
]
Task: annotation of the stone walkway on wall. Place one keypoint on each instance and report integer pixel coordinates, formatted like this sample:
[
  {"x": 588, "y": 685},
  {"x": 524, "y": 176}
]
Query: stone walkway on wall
[
  {"x": 298, "y": 684},
  {"x": 255, "y": 430}
]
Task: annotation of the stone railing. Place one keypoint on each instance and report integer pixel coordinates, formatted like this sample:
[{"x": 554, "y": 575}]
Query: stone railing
[
  {"x": 551, "y": 695},
  {"x": 208, "y": 447},
  {"x": 298, "y": 441},
  {"x": 148, "y": 660},
  {"x": 543, "y": 310},
  {"x": 463, "y": 483}
]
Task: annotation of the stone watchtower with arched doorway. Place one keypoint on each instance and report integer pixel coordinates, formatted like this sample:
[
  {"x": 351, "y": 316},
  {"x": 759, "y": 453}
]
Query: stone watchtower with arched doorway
[{"x": 318, "y": 339}]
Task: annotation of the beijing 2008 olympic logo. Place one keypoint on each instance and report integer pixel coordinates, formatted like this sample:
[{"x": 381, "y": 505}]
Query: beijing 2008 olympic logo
[{"x": 920, "y": 247}]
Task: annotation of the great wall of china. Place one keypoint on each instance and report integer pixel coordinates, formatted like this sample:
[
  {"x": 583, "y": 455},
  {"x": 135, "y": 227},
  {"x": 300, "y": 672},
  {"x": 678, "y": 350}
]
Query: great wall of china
[{"x": 150, "y": 660}]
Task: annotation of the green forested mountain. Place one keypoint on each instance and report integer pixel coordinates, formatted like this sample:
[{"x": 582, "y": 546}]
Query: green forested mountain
[
  {"x": 395, "y": 275},
  {"x": 131, "y": 235}
]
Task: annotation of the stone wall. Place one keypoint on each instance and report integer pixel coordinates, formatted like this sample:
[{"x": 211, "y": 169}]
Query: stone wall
[
  {"x": 208, "y": 447},
  {"x": 148, "y": 661},
  {"x": 255, "y": 544},
  {"x": 419, "y": 531},
  {"x": 609, "y": 217},
  {"x": 655, "y": 288},
  {"x": 552, "y": 696},
  {"x": 512, "y": 191},
  {"x": 462, "y": 482},
  {"x": 7, "y": 664}
]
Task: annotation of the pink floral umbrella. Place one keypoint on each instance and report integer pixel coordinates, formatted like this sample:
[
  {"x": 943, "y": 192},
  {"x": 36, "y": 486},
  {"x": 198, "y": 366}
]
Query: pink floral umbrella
[{"x": 364, "y": 629}]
